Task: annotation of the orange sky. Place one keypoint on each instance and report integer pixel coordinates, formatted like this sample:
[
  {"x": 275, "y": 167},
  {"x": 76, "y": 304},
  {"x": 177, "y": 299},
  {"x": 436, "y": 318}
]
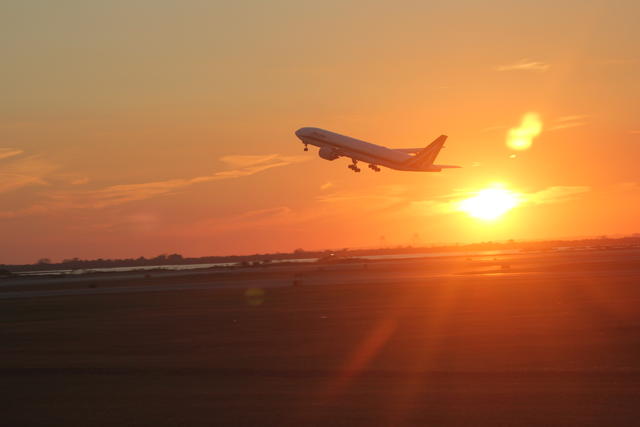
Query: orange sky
[{"x": 147, "y": 127}]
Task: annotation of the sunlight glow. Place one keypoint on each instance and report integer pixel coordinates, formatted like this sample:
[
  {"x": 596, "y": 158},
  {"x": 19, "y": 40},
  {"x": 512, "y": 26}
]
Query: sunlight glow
[
  {"x": 489, "y": 204},
  {"x": 521, "y": 137}
]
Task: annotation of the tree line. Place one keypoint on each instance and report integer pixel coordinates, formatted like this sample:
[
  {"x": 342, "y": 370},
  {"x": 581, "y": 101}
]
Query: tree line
[{"x": 602, "y": 242}]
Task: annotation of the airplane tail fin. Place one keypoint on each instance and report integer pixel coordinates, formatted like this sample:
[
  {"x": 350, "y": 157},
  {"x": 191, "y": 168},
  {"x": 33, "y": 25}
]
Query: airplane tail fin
[{"x": 428, "y": 155}]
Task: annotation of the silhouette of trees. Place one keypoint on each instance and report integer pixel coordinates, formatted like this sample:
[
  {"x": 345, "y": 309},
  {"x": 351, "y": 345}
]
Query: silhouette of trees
[
  {"x": 174, "y": 258},
  {"x": 267, "y": 259}
]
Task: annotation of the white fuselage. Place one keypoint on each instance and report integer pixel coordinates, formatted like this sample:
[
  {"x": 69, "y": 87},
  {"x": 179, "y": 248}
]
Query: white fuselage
[{"x": 334, "y": 145}]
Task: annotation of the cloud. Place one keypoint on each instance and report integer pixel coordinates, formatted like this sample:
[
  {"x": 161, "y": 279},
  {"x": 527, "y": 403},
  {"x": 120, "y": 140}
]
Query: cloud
[
  {"x": 334, "y": 205},
  {"x": 524, "y": 65},
  {"x": 5, "y": 153},
  {"x": 392, "y": 203},
  {"x": 243, "y": 161},
  {"x": 573, "y": 118},
  {"x": 268, "y": 213},
  {"x": 254, "y": 167},
  {"x": 567, "y": 125},
  {"x": 635, "y": 132},
  {"x": 326, "y": 185},
  {"x": 555, "y": 194},
  {"x": 328, "y": 209},
  {"x": 432, "y": 207},
  {"x": 124, "y": 193},
  {"x": 450, "y": 203},
  {"x": 80, "y": 181},
  {"x": 567, "y": 122},
  {"x": 31, "y": 210},
  {"x": 521, "y": 137},
  {"x": 25, "y": 172},
  {"x": 252, "y": 219},
  {"x": 378, "y": 198},
  {"x": 68, "y": 178},
  {"x": 118, "y": 194}
]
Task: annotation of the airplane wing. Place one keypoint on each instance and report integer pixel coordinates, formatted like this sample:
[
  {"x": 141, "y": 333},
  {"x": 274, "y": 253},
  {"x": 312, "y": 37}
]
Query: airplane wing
[{"x": 409, "y": 150}]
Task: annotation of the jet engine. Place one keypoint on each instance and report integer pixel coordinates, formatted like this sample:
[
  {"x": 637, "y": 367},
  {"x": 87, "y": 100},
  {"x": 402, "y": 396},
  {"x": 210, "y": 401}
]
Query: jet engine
[{"x": 328, "y": 153}]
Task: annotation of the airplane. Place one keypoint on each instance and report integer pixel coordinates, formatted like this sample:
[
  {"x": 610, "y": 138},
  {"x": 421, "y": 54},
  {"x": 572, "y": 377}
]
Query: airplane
[{"x": 333, "y": 145}]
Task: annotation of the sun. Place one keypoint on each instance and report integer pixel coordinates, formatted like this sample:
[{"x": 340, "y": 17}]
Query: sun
[{"x": 489, "y": 204}]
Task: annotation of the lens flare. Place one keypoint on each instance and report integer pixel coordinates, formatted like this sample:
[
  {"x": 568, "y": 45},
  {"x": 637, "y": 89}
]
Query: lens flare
[
  {"x": 521, "y": 137},
  {"x": 489, "y": 204}
]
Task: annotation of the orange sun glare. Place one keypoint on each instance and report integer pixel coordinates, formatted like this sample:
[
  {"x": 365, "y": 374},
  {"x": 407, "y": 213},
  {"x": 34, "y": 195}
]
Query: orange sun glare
[{"x": 489, "y": 204}]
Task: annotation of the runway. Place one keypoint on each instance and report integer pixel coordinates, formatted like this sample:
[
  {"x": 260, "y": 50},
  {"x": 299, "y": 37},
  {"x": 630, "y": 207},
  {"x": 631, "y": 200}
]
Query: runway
[
  {"x": 534, "y": 339},
  {"x": 418, "y": 271}
]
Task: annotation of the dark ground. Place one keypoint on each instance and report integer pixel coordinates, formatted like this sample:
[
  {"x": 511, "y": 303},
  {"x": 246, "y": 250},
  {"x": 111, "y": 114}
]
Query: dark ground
[{"x": 558, "y": 344}]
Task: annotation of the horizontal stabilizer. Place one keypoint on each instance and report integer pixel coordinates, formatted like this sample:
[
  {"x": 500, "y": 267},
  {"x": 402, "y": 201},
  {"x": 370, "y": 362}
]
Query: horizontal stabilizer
[
  {"x": 427, "y": 155},
  {"x": 409, "y": 150}
]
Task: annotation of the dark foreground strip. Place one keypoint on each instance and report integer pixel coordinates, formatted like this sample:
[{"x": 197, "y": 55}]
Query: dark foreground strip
[{"x": 628, "y": 373}]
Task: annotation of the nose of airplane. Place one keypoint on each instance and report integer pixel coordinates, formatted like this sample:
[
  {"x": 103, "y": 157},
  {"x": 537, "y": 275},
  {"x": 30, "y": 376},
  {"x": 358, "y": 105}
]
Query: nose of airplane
[{"x": 305, "y": 131}]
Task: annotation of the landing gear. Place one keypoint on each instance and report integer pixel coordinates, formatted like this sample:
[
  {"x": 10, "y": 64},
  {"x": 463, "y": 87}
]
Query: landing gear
[
  {"x": 375, "y": 168},
  {"x": 354, "y": 166},
  {"x": 306, "y": 148}
]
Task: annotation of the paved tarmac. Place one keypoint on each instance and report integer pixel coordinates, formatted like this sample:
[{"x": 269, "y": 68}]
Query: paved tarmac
[{"x": 535, "y": 339}]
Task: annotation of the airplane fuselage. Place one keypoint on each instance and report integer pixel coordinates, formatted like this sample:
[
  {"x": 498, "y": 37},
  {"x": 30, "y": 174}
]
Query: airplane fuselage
[{"x": 333, "y": 145}]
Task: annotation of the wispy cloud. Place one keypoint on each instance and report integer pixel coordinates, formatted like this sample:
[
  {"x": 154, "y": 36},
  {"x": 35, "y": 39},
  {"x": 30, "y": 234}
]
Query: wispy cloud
[
  {"x": 119, "y": 194},
  {"x": 251, "y": 167},
  {"x": 243, "y": 161},
  {"x": 431, "y": 207},
  {"x": 80, "y": 181},
  {"x": 328, "y": 209},
  {"x": 562, "y": 126},
  {"x": 25, "y": 172},
  {"x": 555, "y": 194},
  {"x": 450, "y": 203},
  {"x": 124, "y": 193},
  {"x": 30, "y": 210},
  {"x": 5, "y": 153},
  {"x": 524, "y": 65},
  {"x": 332, "y": 205},
  {"x": 326, "y": 185},
  {"x": 68, "y": 178},
  {"x": 378, "y": 198},
  {"x": 572, "y": 118},
  {"x": 384, "y": 200},
  {"x": 253, "y": 219},
  {"x": 265, "y": 213},
  {"x": 567, "y": 122},
  {"x": 635, "y": 132}
]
